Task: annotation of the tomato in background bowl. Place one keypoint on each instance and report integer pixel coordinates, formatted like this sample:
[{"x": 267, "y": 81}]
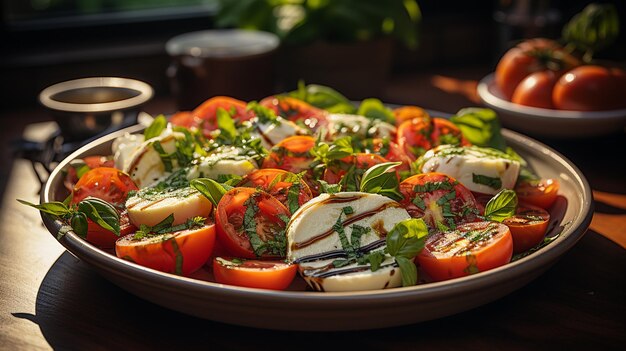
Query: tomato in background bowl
[{"x": 590, "y": 88}]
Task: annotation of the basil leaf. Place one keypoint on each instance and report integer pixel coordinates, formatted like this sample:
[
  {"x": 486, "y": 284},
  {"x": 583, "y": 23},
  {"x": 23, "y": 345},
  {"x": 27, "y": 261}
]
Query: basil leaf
[
  {"x": 101, "y": 212},
  {"x": 329, "y": 188},
  {"x": 293, "y": 198},
  {"x": 340, "y": 148},
  {"x": 226, "y": 123},
  {"x": 155, "y": 128},
  {"x": 54, "y": 208},
  {"x": 501, "y": 206},
  {"x": 492, "y": 182},
  {"x": 165, "y": 223},
  {"x": 407, "y": 238},
  {"x": 323, "y": 97},
  {"x": 480, "y": 126},
  {"x": 375, "y": 109},
  {"x": 79, "y": 224},
  {"x": 378, "y": 180},
  {"x": 263, "y": 114},
  {"x": 408, "y": 271},
  {"x": 211, "y": 189},
  {"x": 596, "y": 27}
]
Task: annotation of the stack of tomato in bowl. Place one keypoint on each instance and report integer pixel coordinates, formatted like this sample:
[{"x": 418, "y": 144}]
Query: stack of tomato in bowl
[{"x": 551, "y": 88}]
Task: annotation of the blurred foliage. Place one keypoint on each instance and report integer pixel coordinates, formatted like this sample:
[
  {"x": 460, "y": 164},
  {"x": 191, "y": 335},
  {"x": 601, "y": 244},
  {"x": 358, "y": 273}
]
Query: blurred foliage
[{"x": 304, "y": 21}]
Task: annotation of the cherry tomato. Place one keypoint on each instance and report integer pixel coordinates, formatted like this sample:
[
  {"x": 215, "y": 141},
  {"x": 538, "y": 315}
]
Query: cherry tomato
[
  {"x": 407, "y": 113},
  {"x": 438, "y": 198},
  {"x": 417, "y": 136},
  {"x": 260, "y": 233},
  {"x": 542, "y": 192},
  {"x": 71, "y": 178},
  {"x": 528, "y": 57},
  {"x": 470, "y": 248},
  {"x": 205, "y": 115},
  {"x": 528, "y": 226},
  {"x": 104, "y": 238},
  {"x": 590, "y": 88},
  {"x": 292, "y": 154},
  {"x": 108, "y": 184},
  {"x": 274, "y": 275},
  {"x": 357, "y": 164},
  {"x": 182, "y": 252},
  {"x": 296, "y": 110},
  {"x": 275, "y": 182},
  {"x": 536, "y": 90},
  {"x": 390, "y": 151},
  {"x": 183, "y": 119}
]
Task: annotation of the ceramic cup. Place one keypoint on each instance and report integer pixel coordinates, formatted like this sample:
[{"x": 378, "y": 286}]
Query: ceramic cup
[
  {"x": 235, "y": 63},
  {"x": 89, "y": 106}
]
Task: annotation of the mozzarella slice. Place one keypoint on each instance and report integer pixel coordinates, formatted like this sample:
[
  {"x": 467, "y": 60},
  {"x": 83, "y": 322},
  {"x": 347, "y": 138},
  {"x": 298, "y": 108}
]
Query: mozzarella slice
[
  {"x": 145, "y": 166},
  {"x": 312, "y": 239},
  {"x": 481, "y": 170},
  {"x": 226, "y": 161},
  {"x": 123, "y": 148},
  {"x": 273, "y": 133},
  {"x": 344, "y": 124},
  {"x": 352, "y": 277},
  {"x": 149, "y": 206}
]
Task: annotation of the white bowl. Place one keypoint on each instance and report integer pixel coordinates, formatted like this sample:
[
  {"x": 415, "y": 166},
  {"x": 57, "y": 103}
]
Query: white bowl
[{"x": 548, "y": 122}]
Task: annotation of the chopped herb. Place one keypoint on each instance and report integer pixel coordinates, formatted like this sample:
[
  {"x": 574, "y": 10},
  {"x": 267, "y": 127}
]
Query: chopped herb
[
  {"x": 419, "y": 202},
  {"x": 348, "y": 210},
  {"x": 155, "y": 128},
  {"x": 293, "y": 197},
  {"x": 165, "y": 157},
  {"x": 329, "y": 188},
  {"x": 492, "y": 182},
  {"x": 249, "y": 225}
]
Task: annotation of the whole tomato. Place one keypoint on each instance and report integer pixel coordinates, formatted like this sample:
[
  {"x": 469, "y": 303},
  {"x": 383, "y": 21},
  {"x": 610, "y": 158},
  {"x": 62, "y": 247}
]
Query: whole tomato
[
  {"x": 536, "y": 90},
  {"x": 590, "y": 88},
  {"x": 528, "y": 57}
]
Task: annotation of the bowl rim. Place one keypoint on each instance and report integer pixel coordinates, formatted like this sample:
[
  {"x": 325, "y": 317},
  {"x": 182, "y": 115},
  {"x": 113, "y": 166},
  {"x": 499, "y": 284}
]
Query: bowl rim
[
  {"x": 145, "y": 93},
  {"x": 569, "y": 236},
  {"x": 485, "y": 92}
]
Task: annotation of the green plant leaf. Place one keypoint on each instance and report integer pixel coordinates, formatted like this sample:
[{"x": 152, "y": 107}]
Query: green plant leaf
[
  {"x": 375, "y": 109},
  {"x": 501, "y": 206},
  {"x": 155, "y": 128},
  {"x": 407, "y": 238},
  {"x": 54, "y": 208},
  {"x": 211, "y": 189},
  {"x": 408, "y": 271},
  {"x": 226, "y": 124},
  {"x": 480, "y": 126},
  {"x": 101, "y": 212},
  {"x": 379, "y": 180},
  {"x": 79, "y": 224}
]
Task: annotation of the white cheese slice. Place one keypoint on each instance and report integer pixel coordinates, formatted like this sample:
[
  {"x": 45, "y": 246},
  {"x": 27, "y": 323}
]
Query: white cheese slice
[
  {"x": 123, "y": 147},
  {"x": 150, "y": 207},
  {"x": 273, "y": 133},
  {"x": 225, "y": 161},
  {"x": 480, "y": 170},
  {"x": 352, "y": 277},
  {"x": 344, "y": 124},
  {"x": 145, "y": 165}
]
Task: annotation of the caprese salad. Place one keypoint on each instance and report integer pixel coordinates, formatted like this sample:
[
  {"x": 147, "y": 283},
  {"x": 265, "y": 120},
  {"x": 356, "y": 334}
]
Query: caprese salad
[{"x": 306, "y": 183}]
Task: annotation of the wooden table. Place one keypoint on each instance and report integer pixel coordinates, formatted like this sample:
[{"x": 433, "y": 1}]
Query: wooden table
[{"x": 49, "y": 299}]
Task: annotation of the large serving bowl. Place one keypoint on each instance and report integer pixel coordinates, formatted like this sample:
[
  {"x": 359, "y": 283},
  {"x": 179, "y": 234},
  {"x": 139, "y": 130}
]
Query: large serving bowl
[
  {"x": 547, "y": 122},
  {"x": 307, "y": 310}
]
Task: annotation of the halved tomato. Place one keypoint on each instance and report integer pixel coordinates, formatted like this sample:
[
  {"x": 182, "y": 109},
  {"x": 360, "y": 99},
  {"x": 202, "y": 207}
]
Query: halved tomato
[
  {"x": 390, "y": 150},
  {"x": 542, "y": 192},
  {"x": 181, "y": 253},
  {"x": 274, "y": 275},
  {"x": 205, "y": 115},
  {"x": 292, "y": 154},
  {"x": 470, "y": 248},
  {"x": 407, "y": 113},
  {"x": 296, "y": 110},
  {"x": 91, "y": 162},
  {"x": 276, "y": 183},
  {"x": 528, "y": 226},
  {"x": 438, "y": 199},
  {"x": 417, "y": 136},
  {"x": 251, "y": 223},
  {"x": 106, "y": 183}
]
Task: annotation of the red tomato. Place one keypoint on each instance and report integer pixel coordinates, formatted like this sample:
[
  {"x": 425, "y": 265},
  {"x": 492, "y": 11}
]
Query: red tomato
[
  {"x": 182, "y": 252},
  {"x": 296, "y": 110},
  {"x": 274, "y": 275},
  {"x": 536, "y": 90},
  {"x": 417, "y": 136},
  {"x": 268, "y": 234},
  {"x": 205, "y": 115},
  {"x": 291, "y": 154},
  {"x": 106, "y": 239},
  {"x": 528, "y": 227},
  {"x": 540, "y": 193},
  {"x": 528, "y": 57},
  {"x": 108, "y": 184},
  {"x": 183, "y": 119},
  {"x": 361, "y": 162},
  {"x": 436, "y": 197},
  {"x": 407, "y": 113},
  {"x": 590, "y": 88},
  {"x": 471, "y": 248},
  {"x": 390, "y": 151},
  {"x": 71, "y": 178},
  {"x": 274, "y": 182}
]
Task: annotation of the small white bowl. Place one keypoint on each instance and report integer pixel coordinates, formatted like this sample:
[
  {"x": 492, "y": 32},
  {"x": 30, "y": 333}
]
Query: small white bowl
[{"x": 548, "y": 122}]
